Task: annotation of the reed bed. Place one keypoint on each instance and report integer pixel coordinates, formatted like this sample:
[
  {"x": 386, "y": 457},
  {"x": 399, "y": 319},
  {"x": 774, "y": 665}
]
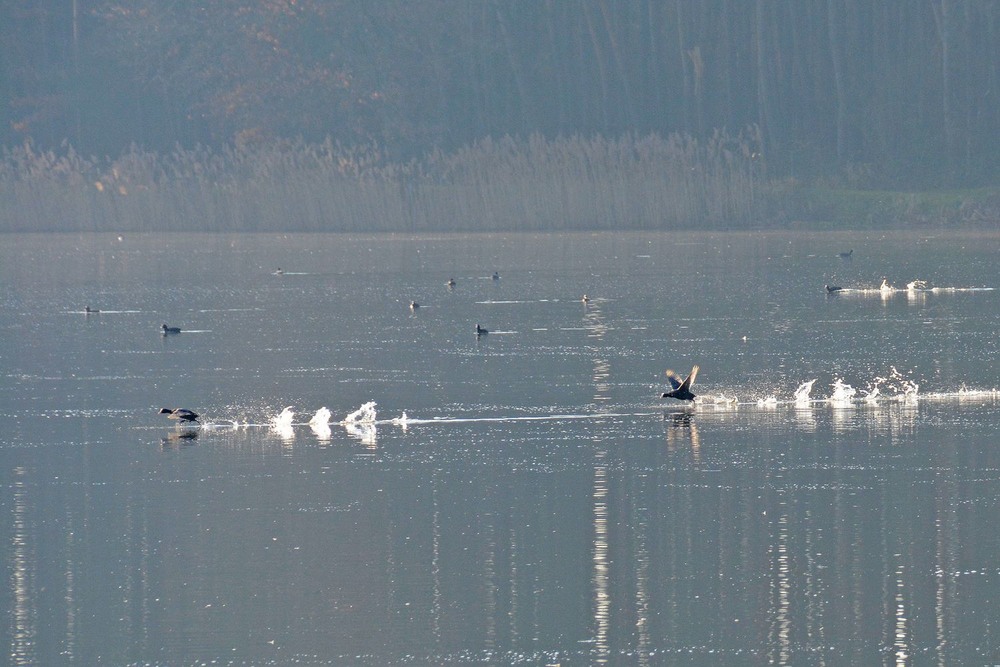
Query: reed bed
[{"x": 508, "y": 184}]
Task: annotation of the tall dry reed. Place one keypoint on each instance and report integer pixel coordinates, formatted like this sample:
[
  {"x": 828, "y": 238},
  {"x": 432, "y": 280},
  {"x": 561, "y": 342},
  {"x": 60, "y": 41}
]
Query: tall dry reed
[{"x": 571, "y": 183}]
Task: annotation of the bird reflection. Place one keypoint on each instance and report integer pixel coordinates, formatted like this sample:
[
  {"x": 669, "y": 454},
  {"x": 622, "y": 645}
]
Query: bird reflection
[
  {"x": 681, "y": 430},
  {"x": 179, "y": 438}
]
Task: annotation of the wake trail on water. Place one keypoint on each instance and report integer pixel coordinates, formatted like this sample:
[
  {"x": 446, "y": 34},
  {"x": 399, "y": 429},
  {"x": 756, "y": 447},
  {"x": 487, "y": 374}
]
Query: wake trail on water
[
  {"x": 893, "y": 388},
  {"x": 913, "y": 288},
  {"x": 362, "y": 423}
]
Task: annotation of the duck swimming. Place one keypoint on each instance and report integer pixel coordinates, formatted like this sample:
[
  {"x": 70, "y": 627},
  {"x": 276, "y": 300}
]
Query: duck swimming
[
  {"x": 414, "y": 305},
  {"x": 180, "y": 414},
  {"x": 481, "y": 331},
  {"x": 681, "y": 389},
  {"x": 496, "y": 276},
  {"x": 451, "y": 282},
  {"x": 170, "y": 330},
  {"x": 830, "y": 289},
  {"x": 90, "y": 310}
]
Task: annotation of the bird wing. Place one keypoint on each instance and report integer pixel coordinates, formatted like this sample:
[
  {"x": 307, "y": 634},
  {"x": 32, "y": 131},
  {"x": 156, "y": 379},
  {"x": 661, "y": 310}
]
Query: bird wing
[
  {"x": 675, "y": 380},
  {"x": 689, "y": 380}
]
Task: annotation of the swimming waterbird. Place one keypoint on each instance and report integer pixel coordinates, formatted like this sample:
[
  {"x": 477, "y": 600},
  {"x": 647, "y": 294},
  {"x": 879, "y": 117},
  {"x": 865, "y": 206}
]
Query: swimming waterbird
[{"x": 180, "y": 414}]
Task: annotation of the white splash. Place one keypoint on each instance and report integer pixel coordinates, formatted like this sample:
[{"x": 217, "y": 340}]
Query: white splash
[
  {"x": 401, "y": 421},
  {"x": 282, "y": 424},
  {"x": 321, "y": 430},
  {"x": 769, "y": 402},
  {"x": 321, "y": 418},
  {"x": 915, "y": 285},
  {"x": 802, "y": 393},
  {"x": 364, "y": 431},
  {"x": 363, "y": 415},
  {"x": 284, "y": 420},
  {"x": 842, "y": 392},
  {"x": 873, "y": 393}
]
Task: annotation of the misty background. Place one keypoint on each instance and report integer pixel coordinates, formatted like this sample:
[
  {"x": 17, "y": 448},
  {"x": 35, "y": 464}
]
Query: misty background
[{"x": 526, "y": 114}]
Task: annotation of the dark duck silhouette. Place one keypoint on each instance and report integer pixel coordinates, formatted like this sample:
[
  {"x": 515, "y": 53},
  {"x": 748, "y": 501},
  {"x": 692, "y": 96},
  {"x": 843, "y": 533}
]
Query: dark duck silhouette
[
  {"x": 847, "y": 255},
  {"x": 681, "y": 388},
  {"x": 830, "y": 289},
  {"x": 170, "y": 330},
  {"x": 90, "y": 310},
  {"x": 481, "y": 331},
  {"x": 414, "y": 305},
  {"x": 180, "y": 414}
]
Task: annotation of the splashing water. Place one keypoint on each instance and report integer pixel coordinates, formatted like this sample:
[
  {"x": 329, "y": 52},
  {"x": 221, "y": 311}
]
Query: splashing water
[
  {"x": 321, "y": 418},
  {"x": 907, "y": 388},
  {"x": 363, "y": 415},
  {"x": 802, "y": 393},
  {"x": 321, "y": 430},
  {"x": 842, "y": 392},
  {"x": 873, "y": 393},
  {"x": 284, "y": 420},
  {"x": 282, "y": 424}
]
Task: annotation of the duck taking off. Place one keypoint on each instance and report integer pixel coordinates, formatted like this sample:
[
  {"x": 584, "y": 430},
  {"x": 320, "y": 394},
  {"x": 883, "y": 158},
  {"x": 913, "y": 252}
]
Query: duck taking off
[
  {"x": 180, "y": 414},
  {"x": 681, "y": 388}
]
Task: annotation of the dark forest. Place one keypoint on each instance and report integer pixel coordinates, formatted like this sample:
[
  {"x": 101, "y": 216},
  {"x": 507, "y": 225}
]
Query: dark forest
[{"x": 787, "y": 95}]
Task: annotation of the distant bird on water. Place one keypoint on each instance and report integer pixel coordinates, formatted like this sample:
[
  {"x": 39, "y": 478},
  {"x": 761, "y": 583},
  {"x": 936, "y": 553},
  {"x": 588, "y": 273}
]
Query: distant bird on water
[
  {"x": 681, "y": 388},
  {"x": 414, "y": 305},
  {"x": 450, "y": 283},
  {"x": 585, "y": 299},
  {"x": 846, "y": 255},
  {"x": 830, "y": 289},
  {"x": 180, "y": 414},
  {"x": 170, "y": 330},
  {"x": 481, "y": 331},
  {"x": 496, "y": 276},
  {"x": 90, "y": 310}
]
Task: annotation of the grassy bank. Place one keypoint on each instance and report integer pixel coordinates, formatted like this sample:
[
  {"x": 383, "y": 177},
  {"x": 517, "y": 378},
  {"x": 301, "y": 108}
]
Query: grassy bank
[{"x": 841, "y": 208}]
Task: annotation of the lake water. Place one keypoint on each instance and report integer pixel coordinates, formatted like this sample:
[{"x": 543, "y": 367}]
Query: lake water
[{"x": 523, "y": 497}]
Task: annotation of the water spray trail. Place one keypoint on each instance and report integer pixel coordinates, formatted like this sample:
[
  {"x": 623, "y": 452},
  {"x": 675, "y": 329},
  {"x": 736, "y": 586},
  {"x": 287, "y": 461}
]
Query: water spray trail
[{"x": 802, "y": 393}]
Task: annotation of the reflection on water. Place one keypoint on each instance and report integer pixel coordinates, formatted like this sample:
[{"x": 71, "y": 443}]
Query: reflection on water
[
  {"x": 22, "y": 574},
  {"x": 539, "y": 505},
  {"x": 682, "y": 431},
  {"x": 602, "y": 570}
]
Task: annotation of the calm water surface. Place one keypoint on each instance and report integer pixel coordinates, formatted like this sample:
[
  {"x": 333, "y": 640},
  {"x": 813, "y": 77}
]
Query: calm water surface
[{"x": 539, "y": 504}]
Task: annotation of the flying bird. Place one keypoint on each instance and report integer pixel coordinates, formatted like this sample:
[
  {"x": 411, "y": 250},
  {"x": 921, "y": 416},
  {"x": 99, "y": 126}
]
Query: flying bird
[{"x": 681, "y": 388}]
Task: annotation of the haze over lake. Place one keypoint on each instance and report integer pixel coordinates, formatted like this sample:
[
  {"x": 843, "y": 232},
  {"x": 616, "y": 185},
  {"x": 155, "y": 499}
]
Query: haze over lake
[{"x": 521, "y": 497}]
